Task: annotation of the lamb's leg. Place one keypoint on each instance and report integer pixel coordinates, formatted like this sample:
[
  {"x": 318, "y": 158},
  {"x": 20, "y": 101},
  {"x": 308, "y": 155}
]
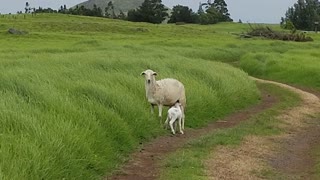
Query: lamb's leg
[
  {"x": 171, "y": 126},
  {"x": 160, "y": 113},
  {"x": 180, "y": 119},
  {"x": 166, "y": 123},
  {"x": 183, "y": 115}
]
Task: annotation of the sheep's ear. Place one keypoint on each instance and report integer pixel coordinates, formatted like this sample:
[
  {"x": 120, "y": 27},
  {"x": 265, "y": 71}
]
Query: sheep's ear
[
  {"x": 154, "y": 73},
  {"x": 143, "y": 73}
]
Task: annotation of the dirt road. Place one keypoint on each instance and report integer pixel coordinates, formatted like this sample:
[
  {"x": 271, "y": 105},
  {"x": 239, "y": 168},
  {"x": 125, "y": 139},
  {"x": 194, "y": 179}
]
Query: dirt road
[{"x": 285, "y": 156}]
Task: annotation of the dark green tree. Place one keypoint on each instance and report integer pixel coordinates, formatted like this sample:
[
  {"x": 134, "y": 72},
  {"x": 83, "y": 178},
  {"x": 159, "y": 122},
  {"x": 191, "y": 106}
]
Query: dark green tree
[
  {"x": 152, "y": 11},
  {"x": 96, "y": 11},
  {"x": 211, "y": 16},
  {"x": 45, "y": 10},
  {"x": 182, "y": 14},
  {"x": 221, "y": 7},
  {"x": 27, "y": 8},
  {"x": 63, "y": 9},
  {"x": 122, "y": 15},
  {"x": 302, "y": 15},
  {"x": 109, "y": 10}
]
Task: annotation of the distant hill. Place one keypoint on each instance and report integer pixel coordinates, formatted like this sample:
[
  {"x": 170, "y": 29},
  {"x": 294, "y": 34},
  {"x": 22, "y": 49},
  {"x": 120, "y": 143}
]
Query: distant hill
[{"x": 123, "y": 5}]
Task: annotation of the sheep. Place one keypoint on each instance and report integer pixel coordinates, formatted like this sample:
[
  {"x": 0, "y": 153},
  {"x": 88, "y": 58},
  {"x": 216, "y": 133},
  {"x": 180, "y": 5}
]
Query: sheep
[
  {"x": 174, "y": 113},
  {"x": 164, "y": 92}
]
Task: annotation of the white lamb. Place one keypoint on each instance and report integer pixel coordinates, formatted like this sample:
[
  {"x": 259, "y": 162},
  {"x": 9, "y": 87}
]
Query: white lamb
[
  {"x": 174, "y": 113},
  {"x": 165, "y": 92}
]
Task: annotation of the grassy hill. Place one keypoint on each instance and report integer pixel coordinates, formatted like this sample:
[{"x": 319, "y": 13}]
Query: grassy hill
[
  {"x": 73, "y": 102},
  {"x": 123, "y": 5},
  {"x": 72, "y": 99}
]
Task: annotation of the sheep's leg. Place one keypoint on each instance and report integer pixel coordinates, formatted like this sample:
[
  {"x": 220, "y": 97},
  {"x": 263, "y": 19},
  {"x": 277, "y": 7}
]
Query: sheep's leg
[
  {"x": 171, "y": 126},
  {"x": 160, "y": 113},
  {"x": 152, "y": 108}
]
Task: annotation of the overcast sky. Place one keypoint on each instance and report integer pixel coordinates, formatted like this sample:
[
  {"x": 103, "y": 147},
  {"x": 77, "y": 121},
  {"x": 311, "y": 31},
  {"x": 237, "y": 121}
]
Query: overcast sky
[{"x": 254, "y": 11}]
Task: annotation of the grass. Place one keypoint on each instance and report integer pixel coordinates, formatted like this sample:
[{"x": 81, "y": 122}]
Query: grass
[
  {"x": 72, "y": 99},
  {"x": 297, "y": 67},
  {"x": 187, "y": 163}
]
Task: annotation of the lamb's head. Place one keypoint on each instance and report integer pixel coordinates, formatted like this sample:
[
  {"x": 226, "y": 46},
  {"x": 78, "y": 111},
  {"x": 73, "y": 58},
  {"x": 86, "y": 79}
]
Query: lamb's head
[
  {"x": 177, "y": 104},
  {"x": 149, "y": 76}
]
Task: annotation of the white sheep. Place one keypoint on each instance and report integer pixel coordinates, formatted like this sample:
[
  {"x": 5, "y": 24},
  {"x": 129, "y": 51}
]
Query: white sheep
[
  {"x": 174, "y": 113},
  {"x": 165, "y": 92}
]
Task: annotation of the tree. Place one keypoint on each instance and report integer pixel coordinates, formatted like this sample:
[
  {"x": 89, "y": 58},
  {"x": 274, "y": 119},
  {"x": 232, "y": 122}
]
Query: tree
[
  {"x": 109, "y": 10},
  {"x": 215, "y": 12},
  {"x": 96, "y": 11},
  {"x": 135, "y": 16},
  {"x": 221, "y": 7},
  {"x": 42, "y": 10},
  {"x": 287, "y": 24},
  {"x": 302, "y": 15},
  {"x": 182, "y": 14},
  {"x": 122, "y": 15},
  {"x": 211, "y": 16},
  {"x": 152, "y": 11},
  {"x": 27, "y": 8}
]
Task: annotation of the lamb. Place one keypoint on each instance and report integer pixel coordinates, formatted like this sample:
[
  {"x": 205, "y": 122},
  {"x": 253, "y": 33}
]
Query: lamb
[
  {"x": 165, "y": 92},
  {"x": 174, "y": 113}
]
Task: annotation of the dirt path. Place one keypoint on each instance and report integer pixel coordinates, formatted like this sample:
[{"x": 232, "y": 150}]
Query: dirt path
[
  {"x": 144, "y": 163},
  {"x": 286, "y": 156}
]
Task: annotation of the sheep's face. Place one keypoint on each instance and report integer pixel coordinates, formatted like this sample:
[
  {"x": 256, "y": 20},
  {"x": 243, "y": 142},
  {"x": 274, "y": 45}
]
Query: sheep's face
[{"x": 149, "y": 75}]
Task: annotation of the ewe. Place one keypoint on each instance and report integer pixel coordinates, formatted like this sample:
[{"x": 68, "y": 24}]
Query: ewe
[
  {"x": 165, "y": 92},
  {"x": 174, "y": 113}
]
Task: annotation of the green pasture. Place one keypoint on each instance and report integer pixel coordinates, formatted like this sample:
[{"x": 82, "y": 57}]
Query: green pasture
[{"x": 72, "y": 99}]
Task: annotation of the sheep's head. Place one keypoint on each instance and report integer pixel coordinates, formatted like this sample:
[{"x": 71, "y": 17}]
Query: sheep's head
[{"x": 149, "y": 75}]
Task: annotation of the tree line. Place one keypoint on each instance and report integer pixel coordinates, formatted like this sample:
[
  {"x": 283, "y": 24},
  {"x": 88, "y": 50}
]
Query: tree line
[
  {"x": 152, "y": 11},
  {"x": 303, "y": 15}
]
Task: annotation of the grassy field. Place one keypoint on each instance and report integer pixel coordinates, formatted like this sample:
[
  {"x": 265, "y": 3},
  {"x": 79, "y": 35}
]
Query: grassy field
[
  {"x": 72, "y": 99},
  {"x": 187, "y": 163}
]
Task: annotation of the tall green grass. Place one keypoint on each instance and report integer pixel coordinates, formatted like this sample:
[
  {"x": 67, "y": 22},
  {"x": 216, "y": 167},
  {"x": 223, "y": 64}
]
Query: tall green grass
[
  {"x": 299, "y": 67},
  {"x": 72, "y": 99}
]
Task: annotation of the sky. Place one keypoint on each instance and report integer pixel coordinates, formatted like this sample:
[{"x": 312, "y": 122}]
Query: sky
[{"x": 253, "y": 11}]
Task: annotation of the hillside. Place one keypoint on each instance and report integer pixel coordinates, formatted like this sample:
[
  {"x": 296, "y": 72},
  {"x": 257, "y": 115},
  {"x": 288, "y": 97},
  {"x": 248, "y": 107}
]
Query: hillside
[
  {"x": 123, "y": 5},
  {"x": 73, "y": 102}
]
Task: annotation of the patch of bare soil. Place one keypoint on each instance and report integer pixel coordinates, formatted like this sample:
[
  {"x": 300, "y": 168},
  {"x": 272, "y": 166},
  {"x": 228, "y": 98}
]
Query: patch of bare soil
[
  {"x": 286, "y": 156},
  {"x": 144, "y": 164}
]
